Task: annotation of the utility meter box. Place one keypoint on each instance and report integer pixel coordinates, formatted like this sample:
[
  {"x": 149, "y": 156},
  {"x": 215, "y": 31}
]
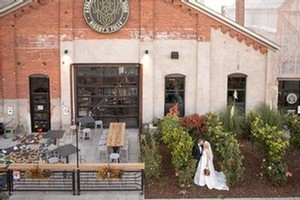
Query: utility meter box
[{"x": 9, "y": 132}]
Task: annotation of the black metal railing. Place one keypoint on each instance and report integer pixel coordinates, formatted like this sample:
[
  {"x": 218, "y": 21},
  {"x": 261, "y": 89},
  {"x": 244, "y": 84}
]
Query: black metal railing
[
  {"x": 74, "y": 179},
  {"x": 129, "y": 181},
  {"x": 58, "y": 181}
]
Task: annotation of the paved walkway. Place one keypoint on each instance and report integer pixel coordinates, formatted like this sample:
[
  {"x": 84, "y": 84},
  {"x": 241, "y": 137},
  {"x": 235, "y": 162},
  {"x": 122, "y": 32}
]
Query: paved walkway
[{"x": 108, "y": 196}]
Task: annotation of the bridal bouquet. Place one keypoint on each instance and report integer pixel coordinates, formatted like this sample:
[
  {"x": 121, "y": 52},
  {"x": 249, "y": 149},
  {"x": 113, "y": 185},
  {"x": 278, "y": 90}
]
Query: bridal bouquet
[{"x": 206, "y": 172}]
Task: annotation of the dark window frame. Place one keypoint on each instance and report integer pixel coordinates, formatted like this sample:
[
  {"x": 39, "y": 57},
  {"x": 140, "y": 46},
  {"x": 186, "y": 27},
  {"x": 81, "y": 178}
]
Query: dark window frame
[
  {"x": 107, "y": 100},
  {"x": 39, "y": 88},
  {"x": 286, "y": 87},
  {"x": 175, "y": 94},
  {"x": 237, "y": 82}
]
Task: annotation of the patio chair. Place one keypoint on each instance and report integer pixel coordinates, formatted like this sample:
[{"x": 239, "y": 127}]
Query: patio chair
[
  {"x": 125, "y": 149},
  {"x": 103, "y": 149},
  {"x": 97, "y": 124},
  {"x": 86, "y": 134},
  {"x": 114, "y": 157}
]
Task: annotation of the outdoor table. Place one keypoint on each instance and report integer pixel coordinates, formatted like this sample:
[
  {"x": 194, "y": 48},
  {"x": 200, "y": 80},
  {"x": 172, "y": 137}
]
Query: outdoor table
[
  {"x": 8, "y": 150},
  {"x": 116, "y": 135},
  {"x": 54, "y": 134},
  {"x": 86, "y": 120},
  {"x": 66, "y": 150},
  {"x": 26, "y": 139}
]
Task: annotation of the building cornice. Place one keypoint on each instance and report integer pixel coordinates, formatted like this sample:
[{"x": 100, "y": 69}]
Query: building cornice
[{"x": 231, "y": 24}]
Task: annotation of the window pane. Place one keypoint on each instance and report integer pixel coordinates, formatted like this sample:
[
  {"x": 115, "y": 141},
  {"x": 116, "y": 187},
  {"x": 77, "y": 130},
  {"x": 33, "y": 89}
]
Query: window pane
[
  {"x": 174, "y": 93},
  {"x": 109, "y": 92},
  {"x": 236, "y": 91},
  {"x": 288, "y": 96}
]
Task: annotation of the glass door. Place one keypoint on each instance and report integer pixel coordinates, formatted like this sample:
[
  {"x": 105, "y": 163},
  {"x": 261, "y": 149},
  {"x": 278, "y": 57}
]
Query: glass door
[
  {"x": 39, "y": 103},
  {"x": 108, "y": 93}
]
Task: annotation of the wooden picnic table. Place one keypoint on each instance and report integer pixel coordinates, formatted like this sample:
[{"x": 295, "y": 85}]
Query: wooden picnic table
[{"x": 116, "y": 135}]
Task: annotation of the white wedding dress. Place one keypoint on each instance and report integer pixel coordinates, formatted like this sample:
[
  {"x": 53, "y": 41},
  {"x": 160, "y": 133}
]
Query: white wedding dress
[{"x": 216, "y": 180}]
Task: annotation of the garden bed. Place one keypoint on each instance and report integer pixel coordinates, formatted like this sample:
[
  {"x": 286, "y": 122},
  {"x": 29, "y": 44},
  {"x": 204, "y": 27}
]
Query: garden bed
[{"x": 254, "y": 183}]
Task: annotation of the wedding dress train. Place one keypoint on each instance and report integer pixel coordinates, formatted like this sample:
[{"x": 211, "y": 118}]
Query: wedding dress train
[{"x": 215, "y": 180}]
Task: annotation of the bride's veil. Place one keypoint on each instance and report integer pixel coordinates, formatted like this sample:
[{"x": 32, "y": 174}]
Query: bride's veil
[
  {"x": 210, "y": 153},
  {"x": 217, "y": 179}
]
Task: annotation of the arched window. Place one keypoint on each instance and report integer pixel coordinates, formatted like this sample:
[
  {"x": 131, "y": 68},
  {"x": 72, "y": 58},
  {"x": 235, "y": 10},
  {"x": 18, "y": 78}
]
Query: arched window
[
  {"x": 174, "y": 92},
  {"x": 236, "y": 91}
]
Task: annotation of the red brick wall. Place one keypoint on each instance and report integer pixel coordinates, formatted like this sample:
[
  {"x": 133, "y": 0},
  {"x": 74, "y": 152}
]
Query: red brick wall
[
  {"x": 240, "y": 12},
  {"x": 31, "y": 47},
  {"x": 150, "y": 18},
  {"x": 8, "y": 60},
  {"x": 1, "y": 67}
]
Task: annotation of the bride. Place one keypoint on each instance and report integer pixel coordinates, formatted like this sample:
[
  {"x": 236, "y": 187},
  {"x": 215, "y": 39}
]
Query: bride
[{"x": 211, "y": 178}]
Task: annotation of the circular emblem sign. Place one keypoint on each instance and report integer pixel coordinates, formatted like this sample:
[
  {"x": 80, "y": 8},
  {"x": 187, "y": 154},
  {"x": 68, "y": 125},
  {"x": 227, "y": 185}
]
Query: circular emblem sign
[
  {"x": 291, "y": 98},
  {"x": 106, "y": 16}
]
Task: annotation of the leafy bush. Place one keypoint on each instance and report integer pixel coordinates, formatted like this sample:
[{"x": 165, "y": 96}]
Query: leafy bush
[
  {"x": 276, "y": 172},
  {"x": 270, "y": 116},
  {"x": 180, "y": 144},
  {"x": 195, "y": 124},
  {"x": 169, "y": 127},
  {"x": 227, "y": 150},
  {"x": 270, "y": 141},
  {"x": 150, "y": 156},
  {"x": 293, "y": 124},
  {"x": 182, "y": 159}
]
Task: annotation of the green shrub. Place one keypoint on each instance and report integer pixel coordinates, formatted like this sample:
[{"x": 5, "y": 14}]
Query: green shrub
[
  {"x": 275, "y": 172},
  {"x": 270, "y": 116},
  {"x": 150, "y": 156},
  {"x": 182, "y": 159},
  {"x": 273, "y": 146},
  {"x": 293, "y": 124},
  {"x": 180, "y": 144},
  {"x": 169, "y": 124},
  {"x": 269, "y": 139},
  {"x": 226, "y": 148}
]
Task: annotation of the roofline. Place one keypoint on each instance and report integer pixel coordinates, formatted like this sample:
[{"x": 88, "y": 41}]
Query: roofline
[
  {"x": 258, "y": 38},
  {"x": 13, "y": 6}
]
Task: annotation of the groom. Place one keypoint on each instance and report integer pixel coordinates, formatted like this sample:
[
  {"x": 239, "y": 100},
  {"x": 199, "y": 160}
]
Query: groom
[{"x": 197, "y": 150}]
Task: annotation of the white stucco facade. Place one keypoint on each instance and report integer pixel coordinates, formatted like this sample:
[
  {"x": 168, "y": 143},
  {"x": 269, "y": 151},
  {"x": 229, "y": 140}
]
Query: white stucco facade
[{"x": 205, "y": 65}]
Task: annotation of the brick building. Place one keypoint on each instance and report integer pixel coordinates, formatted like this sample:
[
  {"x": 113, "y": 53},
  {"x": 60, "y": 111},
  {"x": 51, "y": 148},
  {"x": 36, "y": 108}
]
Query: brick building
[{"x": 129, "y": 61}]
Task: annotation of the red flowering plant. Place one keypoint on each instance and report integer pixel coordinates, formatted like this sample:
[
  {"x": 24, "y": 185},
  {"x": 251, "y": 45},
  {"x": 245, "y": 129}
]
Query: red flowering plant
[{"x": 195, "y": 124}]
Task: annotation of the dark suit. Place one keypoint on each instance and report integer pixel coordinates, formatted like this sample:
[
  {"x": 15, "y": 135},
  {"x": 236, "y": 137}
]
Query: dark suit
[{"x": 197, "y": 153}]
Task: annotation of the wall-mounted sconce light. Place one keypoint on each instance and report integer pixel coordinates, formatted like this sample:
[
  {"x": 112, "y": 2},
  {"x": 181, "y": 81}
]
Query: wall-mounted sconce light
[
  {"x": 66, "y": 51},
  {"x": 174, "y": 55},
  {"x": 146, "y": 51}
]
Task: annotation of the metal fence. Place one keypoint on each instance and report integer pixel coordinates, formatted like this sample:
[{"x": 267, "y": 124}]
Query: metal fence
[{"x": 74, "y": 179}]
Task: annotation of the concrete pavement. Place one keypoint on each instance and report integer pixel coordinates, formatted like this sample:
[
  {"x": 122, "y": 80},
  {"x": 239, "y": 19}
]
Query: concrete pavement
[{"x": 109, "y": 196}]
